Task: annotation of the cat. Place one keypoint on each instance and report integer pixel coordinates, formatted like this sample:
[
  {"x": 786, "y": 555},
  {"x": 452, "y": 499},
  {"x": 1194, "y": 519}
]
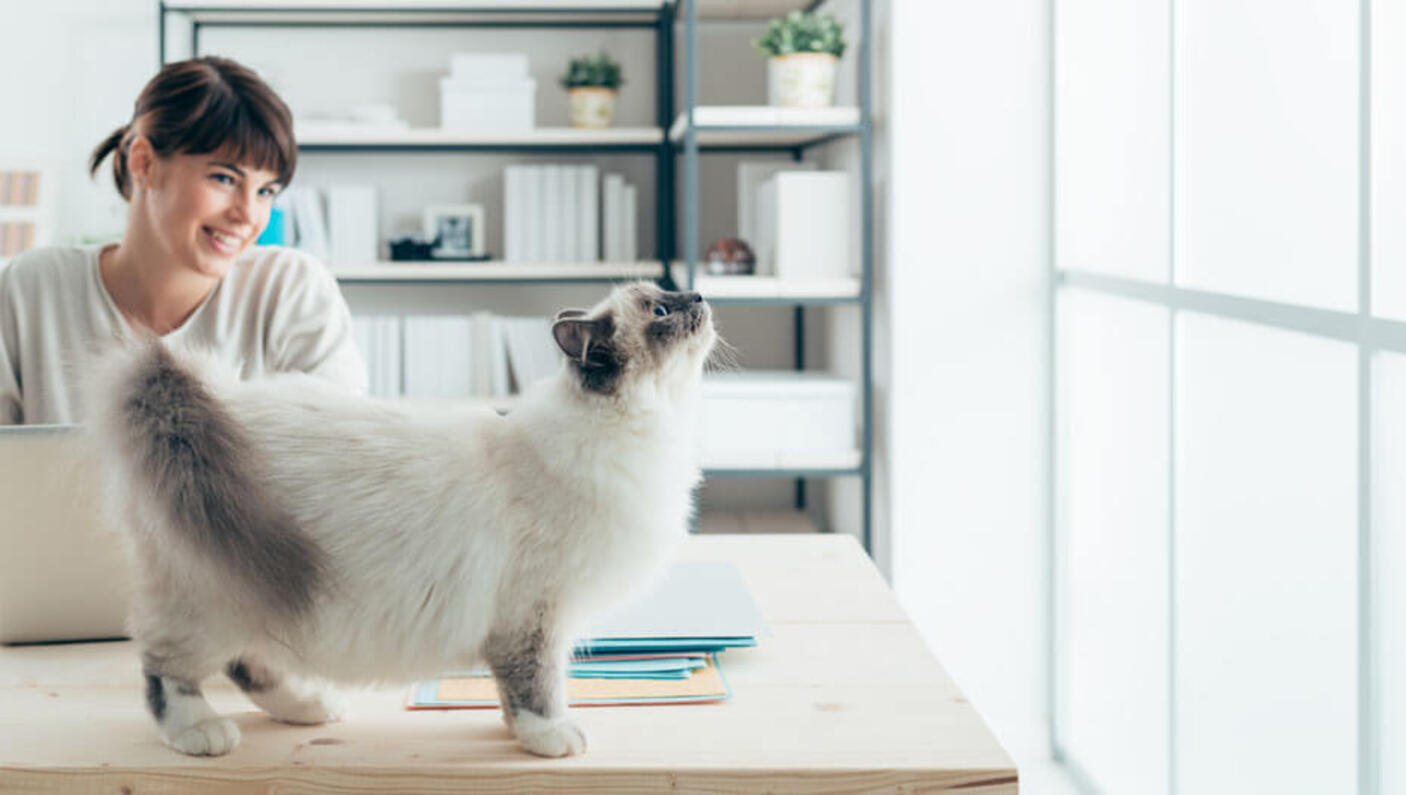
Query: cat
[{"x": 297, "y": 536}]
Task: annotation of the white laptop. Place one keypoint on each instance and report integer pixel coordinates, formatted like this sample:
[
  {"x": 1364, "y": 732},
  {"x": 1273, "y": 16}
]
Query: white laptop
[{"x": 63, "y": 572}]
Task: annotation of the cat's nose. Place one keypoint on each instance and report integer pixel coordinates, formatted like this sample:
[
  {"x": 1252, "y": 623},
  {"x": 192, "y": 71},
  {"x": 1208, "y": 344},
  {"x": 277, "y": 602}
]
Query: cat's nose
[{"x": 693, "y": 298}]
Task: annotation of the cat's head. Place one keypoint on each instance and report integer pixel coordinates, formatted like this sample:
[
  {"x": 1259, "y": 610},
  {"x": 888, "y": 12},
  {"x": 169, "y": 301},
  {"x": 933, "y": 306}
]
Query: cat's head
[{"x": 639, "y": 336}]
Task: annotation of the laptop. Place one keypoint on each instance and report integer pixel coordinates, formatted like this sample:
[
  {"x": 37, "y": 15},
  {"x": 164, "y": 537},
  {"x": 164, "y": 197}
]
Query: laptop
[{"x": 64, "y": 573}]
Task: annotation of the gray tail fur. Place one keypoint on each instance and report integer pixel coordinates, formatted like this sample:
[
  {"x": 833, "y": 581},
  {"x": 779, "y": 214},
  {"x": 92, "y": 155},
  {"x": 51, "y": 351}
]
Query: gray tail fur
[{"x": 184, "y": 446}]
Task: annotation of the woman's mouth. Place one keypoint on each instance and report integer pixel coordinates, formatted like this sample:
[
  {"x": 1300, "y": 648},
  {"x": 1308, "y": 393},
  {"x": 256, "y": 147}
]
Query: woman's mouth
[{"x": 220, "y": 241}]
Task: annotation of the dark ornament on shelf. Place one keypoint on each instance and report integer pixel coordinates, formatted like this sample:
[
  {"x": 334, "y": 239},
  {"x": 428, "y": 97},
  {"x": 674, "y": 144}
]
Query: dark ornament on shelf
[
  {"x": 729, "y": 256},
  {"x": 414, "y": 248}
]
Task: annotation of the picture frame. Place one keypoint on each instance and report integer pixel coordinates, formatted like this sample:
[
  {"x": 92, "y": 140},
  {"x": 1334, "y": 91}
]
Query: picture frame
[{"x": 459, "y": 230}]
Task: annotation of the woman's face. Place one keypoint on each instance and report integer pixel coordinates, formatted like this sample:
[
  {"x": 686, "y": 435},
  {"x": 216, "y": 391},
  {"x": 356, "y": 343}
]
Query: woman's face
[{"x": 207, "y": 209}]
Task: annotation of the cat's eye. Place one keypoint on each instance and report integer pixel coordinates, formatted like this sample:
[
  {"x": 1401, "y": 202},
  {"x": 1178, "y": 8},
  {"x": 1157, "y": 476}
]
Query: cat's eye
[{"x": 660, "y": 310}]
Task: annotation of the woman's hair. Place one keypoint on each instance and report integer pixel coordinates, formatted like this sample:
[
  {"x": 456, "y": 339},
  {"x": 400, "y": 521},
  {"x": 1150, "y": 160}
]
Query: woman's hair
[{"x": 202, "y": 105}]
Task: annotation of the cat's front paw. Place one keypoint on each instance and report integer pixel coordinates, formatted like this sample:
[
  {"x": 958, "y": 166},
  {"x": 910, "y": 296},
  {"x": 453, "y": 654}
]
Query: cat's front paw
[
  {"x": 543, "y": 737},
  {"x": 326, "y": 706},
  {"x": 210, "y": 737}
]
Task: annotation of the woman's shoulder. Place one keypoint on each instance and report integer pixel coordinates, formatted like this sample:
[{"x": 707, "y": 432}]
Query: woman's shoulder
[
  {"x": 47, "y": 268},
  {"x": 279, "y": 269}
]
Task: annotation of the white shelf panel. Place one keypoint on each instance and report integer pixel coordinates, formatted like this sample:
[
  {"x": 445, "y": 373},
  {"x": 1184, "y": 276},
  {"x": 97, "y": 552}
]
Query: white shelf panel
[
  {"x": 767, "y": 288},
  {"x": 360, "y": 10},
  {"x": 743, "y": 125},
  {"x": 351, "y": 135},
  {"x": 494, "y": 271},
  {"x": 748, "y": 461}
]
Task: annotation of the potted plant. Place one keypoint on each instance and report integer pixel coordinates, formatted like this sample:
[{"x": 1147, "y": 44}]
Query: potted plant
[
  {"x": 803, "y": 49},
  {"x": 591, "y": 83}
]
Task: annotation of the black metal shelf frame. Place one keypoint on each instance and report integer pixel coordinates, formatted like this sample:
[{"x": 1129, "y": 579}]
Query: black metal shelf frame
[{"x": 666, "y": 153}]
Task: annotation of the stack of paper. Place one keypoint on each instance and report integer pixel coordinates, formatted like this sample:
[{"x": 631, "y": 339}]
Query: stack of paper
[{"x": 662, "y": 649}]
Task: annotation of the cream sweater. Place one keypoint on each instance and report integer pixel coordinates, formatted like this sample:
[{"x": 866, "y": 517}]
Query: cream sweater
[{"x": 276, "y": 310}]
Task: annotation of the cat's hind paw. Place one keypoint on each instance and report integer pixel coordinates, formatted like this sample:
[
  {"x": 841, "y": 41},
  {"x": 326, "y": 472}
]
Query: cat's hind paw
[
  {"x": 554, "y": 738},
  {"x": 210, "y": 737},
  {"x": 325, "y": 706}
]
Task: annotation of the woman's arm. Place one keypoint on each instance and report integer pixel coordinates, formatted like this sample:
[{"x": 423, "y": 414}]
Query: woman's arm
[
  {"x": 11, "y": 401},
  {"x": 311, "y": 330}
]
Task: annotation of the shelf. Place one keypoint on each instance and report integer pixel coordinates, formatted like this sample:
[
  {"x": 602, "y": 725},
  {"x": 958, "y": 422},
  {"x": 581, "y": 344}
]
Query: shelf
[
  {"x": 628, "y": 11},
  {"x": 770, "y": 289},
  {"x": 783, "y": 465},
  {"x": 765, "y": 126},
  {"x": 757, "y": 522},
  {"x": 497, "y": 271},
  {"x": 350, "y": 137}
]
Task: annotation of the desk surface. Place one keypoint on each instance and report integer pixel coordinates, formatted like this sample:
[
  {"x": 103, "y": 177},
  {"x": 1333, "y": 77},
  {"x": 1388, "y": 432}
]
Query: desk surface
[{"x": 842, "y": 696}]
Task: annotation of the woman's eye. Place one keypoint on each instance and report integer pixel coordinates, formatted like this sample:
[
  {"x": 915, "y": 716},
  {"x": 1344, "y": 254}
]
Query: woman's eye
[
  {"x": 660, "y": 310},
  {"x": 268, "y": 192},
  {"x": 227, "y": 179}
]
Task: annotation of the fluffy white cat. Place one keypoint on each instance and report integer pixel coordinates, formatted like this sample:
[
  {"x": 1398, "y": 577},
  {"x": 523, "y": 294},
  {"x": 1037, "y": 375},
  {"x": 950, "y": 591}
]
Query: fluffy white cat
[{"x": 294, "y": 536}]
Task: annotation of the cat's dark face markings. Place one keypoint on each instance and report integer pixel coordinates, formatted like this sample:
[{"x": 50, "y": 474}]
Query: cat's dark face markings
[{"x": 635, "y": 333}]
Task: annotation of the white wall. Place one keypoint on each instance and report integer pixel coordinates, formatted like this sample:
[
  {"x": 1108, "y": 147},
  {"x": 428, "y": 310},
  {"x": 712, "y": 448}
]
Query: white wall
[{"x": 968, "y": 247}]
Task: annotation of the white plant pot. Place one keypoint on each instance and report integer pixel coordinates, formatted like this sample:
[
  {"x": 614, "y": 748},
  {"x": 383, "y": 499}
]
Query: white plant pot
[
  {"x": 591, "y": 106},
  {"x": 802, "y": 80}
]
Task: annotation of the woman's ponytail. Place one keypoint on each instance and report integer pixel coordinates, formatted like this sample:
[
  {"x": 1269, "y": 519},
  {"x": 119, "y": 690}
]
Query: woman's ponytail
[{"x": 113, "y": 144}]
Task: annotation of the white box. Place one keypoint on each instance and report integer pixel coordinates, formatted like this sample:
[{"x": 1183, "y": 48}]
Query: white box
[
  {"x": 804, "y": 226},
  {"x": 776, "y": 412},
  {"x": 488, "y": 67},
  {"x": 487, "y": 107}
]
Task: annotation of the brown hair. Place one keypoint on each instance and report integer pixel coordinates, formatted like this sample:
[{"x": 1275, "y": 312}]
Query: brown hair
[{"x": 206, "y": 104}]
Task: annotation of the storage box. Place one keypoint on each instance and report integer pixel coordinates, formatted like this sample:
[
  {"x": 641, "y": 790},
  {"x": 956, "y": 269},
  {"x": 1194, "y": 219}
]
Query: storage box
[
  {"x": 776, "y": 412},
  {"x": 488, "y": 67},
  {"x": 487, "y": 107},
  {"x": 805, "y": 226}
]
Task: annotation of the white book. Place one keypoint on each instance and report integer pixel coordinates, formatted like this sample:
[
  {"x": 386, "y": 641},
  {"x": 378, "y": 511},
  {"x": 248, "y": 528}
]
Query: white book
[
  {"x": 310, "y": 222},
  {"x": 610, "y": 220},
  {"x": 588, "y": 202},
  {"x": 570, "y": 215},
  {"x": 532, "y": 354},
  {"x": 419, "y": 357},
  {"x": 534, "y": 214},
  {"x": 455, "y": 335},
  {"x": 351, "y": 225},
  {"x": 750, "y": 176},
  {"x": 511, "y": 218},
  {"x": 551, "y": 197},
  {"x": 630, "y": 226}
]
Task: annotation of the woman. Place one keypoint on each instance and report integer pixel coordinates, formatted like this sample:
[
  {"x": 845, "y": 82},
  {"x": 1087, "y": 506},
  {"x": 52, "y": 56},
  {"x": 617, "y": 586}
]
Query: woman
[{"x": 208, "y": 149}]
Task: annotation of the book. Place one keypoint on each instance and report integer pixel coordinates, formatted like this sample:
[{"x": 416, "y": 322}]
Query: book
[
  {"x": 552, "y": 216},
  {"x": 309, "y": 222},
  {"x": 589, "y": 205},
  {"x": 351, "y": 225},
  {"x": 612, "y": 197},
  {"x": 570, "y": 213},
  {"x": 629, "y": 231},
  {"x": 704, "y": 685}
]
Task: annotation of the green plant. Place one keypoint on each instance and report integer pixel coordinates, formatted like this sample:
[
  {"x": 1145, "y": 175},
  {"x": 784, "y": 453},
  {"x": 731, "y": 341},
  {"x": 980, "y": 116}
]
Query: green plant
[
  {"x": 799, "y": 31},
  {"x": 593, "y": 70}
]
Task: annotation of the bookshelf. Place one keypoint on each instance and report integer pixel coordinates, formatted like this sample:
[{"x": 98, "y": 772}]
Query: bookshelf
[{"x": 683, "y": 133}]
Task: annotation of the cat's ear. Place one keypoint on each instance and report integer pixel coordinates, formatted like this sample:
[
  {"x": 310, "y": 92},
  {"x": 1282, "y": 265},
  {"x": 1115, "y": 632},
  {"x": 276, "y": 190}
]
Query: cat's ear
[
  {"x": 566, "y": 313},
  {"x": 576, "y": 335}
]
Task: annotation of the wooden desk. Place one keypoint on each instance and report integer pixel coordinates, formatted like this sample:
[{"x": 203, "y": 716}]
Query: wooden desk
[{"x": 842, "y": 696}]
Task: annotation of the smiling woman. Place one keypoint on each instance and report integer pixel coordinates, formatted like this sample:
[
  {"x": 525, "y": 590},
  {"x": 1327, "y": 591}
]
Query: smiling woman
[{"x": 207, "y": 151}]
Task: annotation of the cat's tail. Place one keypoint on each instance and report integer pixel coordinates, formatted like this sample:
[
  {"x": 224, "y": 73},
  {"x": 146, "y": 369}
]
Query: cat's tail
[{"x": 186, "y": 457}]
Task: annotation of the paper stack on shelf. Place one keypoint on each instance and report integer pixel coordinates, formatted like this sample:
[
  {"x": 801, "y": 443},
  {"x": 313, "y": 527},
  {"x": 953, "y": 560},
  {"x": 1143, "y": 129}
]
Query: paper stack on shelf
[
  {"x": 552, "y": 213},
  {"x": 308, "y": 221},
  {"x": 661, "y": 649}
]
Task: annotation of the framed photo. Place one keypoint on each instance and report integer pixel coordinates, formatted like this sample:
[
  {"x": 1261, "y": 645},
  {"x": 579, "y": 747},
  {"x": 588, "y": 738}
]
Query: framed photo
[{"x": 459, "y": 230}]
